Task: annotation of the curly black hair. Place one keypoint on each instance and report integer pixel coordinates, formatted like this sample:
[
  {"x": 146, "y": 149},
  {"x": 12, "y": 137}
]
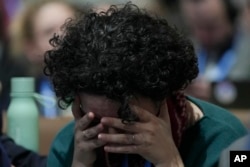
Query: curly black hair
[{"x": 119, "y": 53}]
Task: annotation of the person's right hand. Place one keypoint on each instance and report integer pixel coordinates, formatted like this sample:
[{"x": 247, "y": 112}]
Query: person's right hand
[{"x": 86, "y": 140}]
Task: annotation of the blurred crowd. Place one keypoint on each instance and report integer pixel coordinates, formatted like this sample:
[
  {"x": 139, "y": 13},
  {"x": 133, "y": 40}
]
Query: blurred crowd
[{"x": 219, "y": 29}]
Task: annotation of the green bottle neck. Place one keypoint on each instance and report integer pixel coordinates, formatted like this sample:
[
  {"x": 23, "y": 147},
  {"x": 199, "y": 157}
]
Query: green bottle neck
[{"x": 22, "y": 94}]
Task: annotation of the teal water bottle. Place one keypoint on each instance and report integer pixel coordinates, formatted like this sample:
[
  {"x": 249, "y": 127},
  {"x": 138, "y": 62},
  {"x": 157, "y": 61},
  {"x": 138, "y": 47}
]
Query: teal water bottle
[{"x": 23, "y": 114}]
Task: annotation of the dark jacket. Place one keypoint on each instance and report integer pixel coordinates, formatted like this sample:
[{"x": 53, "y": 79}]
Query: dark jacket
[
  {"x": 4, "y": 160},
  {"x": 19, "y": 156}
]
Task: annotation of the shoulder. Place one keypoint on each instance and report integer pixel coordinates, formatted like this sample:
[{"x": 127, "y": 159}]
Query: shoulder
[
  {"x": 61, "y": 151},
  {"x": 210, "y": 135},
  {"x": 222, "y": 118},
  {"x": 67, "y": 130}
]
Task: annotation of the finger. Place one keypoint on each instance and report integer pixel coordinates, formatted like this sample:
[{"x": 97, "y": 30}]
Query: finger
[
  {"x": 124, "y": 139},
  {"x": 143, "y": 115},
  {"x": 118, "y": 124},
  {"x": 93, "y": 144},
  {"x": 84, "y": 122},
  {"x": 125, "y": 149},
  {"x": 92, "y": 132},
  {"x": 76, "y": 108}
]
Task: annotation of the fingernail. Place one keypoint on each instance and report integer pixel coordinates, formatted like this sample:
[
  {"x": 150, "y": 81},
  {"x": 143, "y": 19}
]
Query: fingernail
[
  {"x": 91, "y": 115},
  {"x": 103, "y": 120}
]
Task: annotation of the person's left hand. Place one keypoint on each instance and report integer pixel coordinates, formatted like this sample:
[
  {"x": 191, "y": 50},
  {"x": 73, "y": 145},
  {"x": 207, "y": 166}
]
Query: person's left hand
[{"x": 151, "y": 137}]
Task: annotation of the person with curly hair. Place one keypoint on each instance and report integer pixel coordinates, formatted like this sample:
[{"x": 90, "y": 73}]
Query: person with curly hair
[{"x": 124, "y": 72}]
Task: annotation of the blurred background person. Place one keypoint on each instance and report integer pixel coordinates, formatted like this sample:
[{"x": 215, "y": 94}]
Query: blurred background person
[
  {"x": 155, "y": 6},
  {"x": 9, "y": 66},
  {"x": 31, "y": 31},
  {"x": 245, "y": 19},
  {"x": 221, "y": 46},
  {"x": 27, "y": 40}
]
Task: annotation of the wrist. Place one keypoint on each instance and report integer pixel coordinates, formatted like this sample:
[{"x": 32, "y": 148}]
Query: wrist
[
  {"x": 180, "y": 164},
  {"x": 82, "y": 161},
  {"x": 175, "y": 161},
  {"x": 77, "y": 162}
]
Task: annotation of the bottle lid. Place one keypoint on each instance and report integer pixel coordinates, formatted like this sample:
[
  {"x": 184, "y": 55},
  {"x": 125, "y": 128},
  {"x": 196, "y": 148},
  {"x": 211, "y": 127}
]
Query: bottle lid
[{"x": 22, "y": 84}]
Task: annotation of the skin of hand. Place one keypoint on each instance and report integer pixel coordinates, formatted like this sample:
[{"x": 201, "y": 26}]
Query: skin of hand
[
  {"x": 86, "y": 140},
  {"x": 150, "y": 137}
]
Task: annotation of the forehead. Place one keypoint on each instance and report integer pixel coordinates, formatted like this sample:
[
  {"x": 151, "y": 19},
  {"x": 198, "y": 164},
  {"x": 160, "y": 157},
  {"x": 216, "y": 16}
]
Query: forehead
[
  {"x": 96, "y": 100},
  {"x": 99, "y": 104},
  {"x": 103, "y": 106},
  {"x": 52, "y": 14}
]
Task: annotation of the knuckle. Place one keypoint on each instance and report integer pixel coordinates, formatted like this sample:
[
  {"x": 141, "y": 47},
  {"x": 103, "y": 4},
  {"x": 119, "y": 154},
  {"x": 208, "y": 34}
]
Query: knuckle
[
  {"x": 83, "y": 123},
  {"x": 86, "y": 134},
  {"x": 126, "y": 126},
  {"x": 128, "y": 139},
  {"x": 89, "y": 134},
  {"x": 97, "y": 143}
]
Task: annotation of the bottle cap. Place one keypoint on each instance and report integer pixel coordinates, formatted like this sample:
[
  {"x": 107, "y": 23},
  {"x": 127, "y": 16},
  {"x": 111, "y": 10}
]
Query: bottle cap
[{"x": 22, "y": 84}]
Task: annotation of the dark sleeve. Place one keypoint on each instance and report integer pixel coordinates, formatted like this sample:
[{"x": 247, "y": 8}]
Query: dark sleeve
[
  {"x": 4, "y": 160},
  {"x": 21, "y": 157},
  {"x": 1, "y": 121}
]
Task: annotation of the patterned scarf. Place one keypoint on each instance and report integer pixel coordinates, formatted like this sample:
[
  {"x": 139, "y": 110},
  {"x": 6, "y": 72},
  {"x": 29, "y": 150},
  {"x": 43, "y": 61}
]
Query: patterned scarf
[{"x": 179, "y": 113}]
